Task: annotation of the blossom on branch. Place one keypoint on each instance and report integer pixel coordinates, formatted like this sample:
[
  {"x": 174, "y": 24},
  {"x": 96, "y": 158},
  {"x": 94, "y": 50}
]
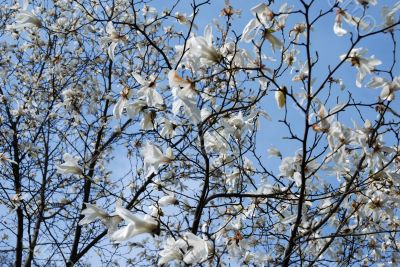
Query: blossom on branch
[
  {"x": 153, "y": 158},
  {"x": 363, "y": 65},
  {"x": 25, "y": 19},
  {"x": 114, "y": 37},
  {"x": 70, "y": 165},
  {"x": 135, "y": 225},
  {"x": 201, "y": 47}
]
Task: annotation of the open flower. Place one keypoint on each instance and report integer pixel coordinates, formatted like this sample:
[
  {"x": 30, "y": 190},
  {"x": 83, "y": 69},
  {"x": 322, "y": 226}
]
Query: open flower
[
  {"x": 70, "y": 165},
  {"x": 388, "y": 15},
  {"x": 172, "y": 251},
  {"x": 197, "y": 249},
  {"x": 342, "y": 15},
  {"x": 263, "y": 19},
  {"x": 4, "y": 159},
  {"x": 190, "y": 249},
  {"x": 153, "y": 158},
  {"x": 184, "y": 96},
  {"x": 167, "y": 200},
  {"x": 92, "y": 213},
  {"x": 201, "y": 47},
  {"x": 169, "y": 127},
  {"x": 119, "y": 107},
  {"x": 262, "y": 14},
  {"x": 363, "y": 65},
  {"x": 135, "y": 225},
  {"x": 388, "y": 87},
  {"x": 324, "y": 121},
  {"x": 298, "y": 30},
  {"x": 148, "y": 90},
  {"x": 228, "y": 10},
  {"x": 26, "y": 19},
  {"x": 114, "y": 37},
  {"x": 184, "y": 19}
]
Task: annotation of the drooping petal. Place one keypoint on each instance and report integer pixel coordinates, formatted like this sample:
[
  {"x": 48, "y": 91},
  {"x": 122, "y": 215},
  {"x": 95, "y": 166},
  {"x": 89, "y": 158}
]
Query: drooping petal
[
  {"x": 111, "y": 49},
  {"x": 119, "y": 107},
  {"x": 376, "y": 82},
  {"x": 70, "y": 165},
  {"x": 92, "y": 213},
  {"x": 248, "y": 31},
  {"x": 138, "y": 78}
]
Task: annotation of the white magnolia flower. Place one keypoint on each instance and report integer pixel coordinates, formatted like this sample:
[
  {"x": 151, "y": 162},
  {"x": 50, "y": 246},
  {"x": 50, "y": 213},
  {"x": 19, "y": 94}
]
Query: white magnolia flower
[
  {"x": 172, "y": 251},
  {"x": 298, "y": 30},
  {"x": 120, "y": 105},
  {"x": 237, "y": 125},
  {"x": 169, "y": 127},
  {"x": 237, "y": 245},
  {"x": 214, "y": 142},
  {"x": 114, "y": 37},
  {"x": 340, "y": 132},
  {"x": 377, "y": 207},
  {"x": 184, "y": 19},
  {"x": 93, "y": 212},
  {"x": 153, "y": 158},
  {"x": 70, "y": 166},
  {"x": 290, "y": 57},
  {"x": 239, "y": 57},
  {"x": 288, "y": 166},
  {"x": 342, "y": 15},
  {"x": 388, "y": 15},
  {"x": 149, "y": 11},
  {"x": 175, "y": 80},
  {"x": 148, "y": 91},
  {"x": 184, "y": 96},
  {"x": 324, "y": 121},
  {"x": 201, "y": 47},
  {"x": 135, "y": 108},
  {"x": 190, "y": 249},
  {"x": 263, "y": 17},
  {"x": 363, "y": 65},
  {"x": 296, "y": 178},
  {"x": 147, "y": 122},
  {"x": 302, "y": 73},
  {"x": 258, "y": 259},
  {"x": 4, "y": 159},
  {"x": 262, "y": 12},
  {"x": 16, "y": 200},
  {"x": 167, "y": 200},
  {"x": 197, "y": 249},
  {"x": 135, "y": 225},
  {"x": 25, "y": 18},
  {"x": 228, "y": 10},
  {"x": 250, "y": 30},
  {"x": 388, "y": 87}
]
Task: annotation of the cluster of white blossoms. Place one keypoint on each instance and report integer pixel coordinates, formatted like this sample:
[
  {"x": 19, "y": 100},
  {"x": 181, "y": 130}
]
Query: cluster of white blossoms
[{"x": 174, "y": 122}]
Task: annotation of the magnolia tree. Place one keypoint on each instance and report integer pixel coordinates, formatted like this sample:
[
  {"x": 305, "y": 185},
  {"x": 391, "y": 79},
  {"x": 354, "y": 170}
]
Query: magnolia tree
[{"x": 133, "y": 133}]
